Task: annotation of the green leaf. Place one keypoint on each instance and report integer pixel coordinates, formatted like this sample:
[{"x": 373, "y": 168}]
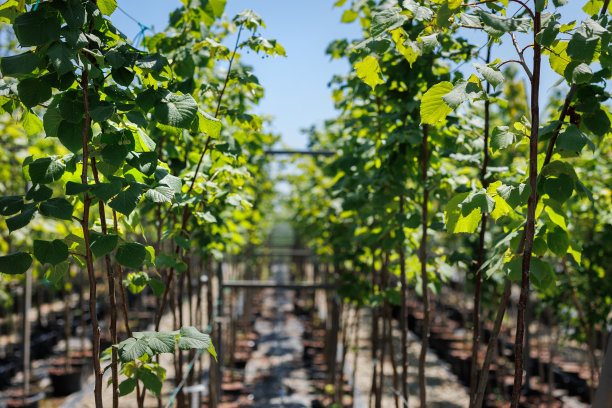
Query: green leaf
[
  {"x": 150, "y": 381},
  {"x": 102, "y": 244},
  {"x": 127, "y": 386},
  {"x": 122, "y": 76},
  {"x": 55, "y": 274},
  {"x": 515, "y": 195},
  {"x": 71, "y": 135},
  {"x": 114, "y": 154},
  {"x": 38, "y": 27},
  {"x": 57, "y": 208},
  {"x": 10, "y": 205},
  {"x": 462, "y": 91},
  {"x": 158, "y": 287},
  {"x": 597, "y": 122},
  {"x": 160, "y": 194},
  {"x": 73, "y": 188},
  {"x": 51, "y": 121},
  {"x": 161, "y": 342},
  {"x": 125, "y": 202},
  {"x": 22, "y": 219},
  {"x": 577, "y": 73},
  {"x": 209, "y": 125},
  {"x": 151, "y": 62},
  {"x": 104, "y": 191},
  {"x": 46, "y": 170},
  {"x": 479, "y": 200},
  {"x": 183, "y": 242},
  {"x": 61, "y": 56},
  {"x": 107, "y": 6},
  {"x": 18, "y": 65},
  {"x": 191, "y": 338},
  {"x": 101, "y": 111},
  {"x": 52, "y": 252},
  {"x": 433, "y": 107},
  {"x": 39, "y": 192},
  {"x": 501, "y": 137},
  {"x": 385, "y": 20},
  {"x": 164, "y": 178},
  {"x": 73, "y": 11},
  {"x": 491, "y": 74},
  {"x": 15, "y": 263},
  {"x": 136, "y": 282},
  {"x": 548, "y": 34},
  {"x": 369, "y": 71},
  {"x": 131, "y": 255},
  {"x": 33, "y": 91},
  {"x": 349, "y": 16},
  {"x": 31, "y": 123},
  {"x": 497, "y": 25},
  {"x": 573, "y": 139},
  {"x": 559, "y": 188},
  {"x": 541, "y": 274},
  {"x": 558, "y": 241},
  {"x": 132, "y": 349},
  {"x": 176, "y": 110},
  {"x": 455, "y": 221},
  {"x": 419, "y": 12},
  {"x": 145, "y": 162},
  {"x": 71, "y": 106}
]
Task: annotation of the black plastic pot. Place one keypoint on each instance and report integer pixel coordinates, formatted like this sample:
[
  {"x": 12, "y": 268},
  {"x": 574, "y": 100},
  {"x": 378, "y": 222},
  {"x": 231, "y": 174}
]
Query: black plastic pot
[{"x": 65, "y": 382}]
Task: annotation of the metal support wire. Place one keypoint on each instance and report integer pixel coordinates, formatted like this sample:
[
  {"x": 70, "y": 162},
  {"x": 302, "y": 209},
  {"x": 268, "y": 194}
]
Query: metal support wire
[{"x": 182, "y": 383}]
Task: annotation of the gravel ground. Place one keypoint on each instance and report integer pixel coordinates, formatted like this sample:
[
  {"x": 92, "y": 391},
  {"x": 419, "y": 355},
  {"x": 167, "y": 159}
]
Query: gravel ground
[{"x": 443, "y": 387}]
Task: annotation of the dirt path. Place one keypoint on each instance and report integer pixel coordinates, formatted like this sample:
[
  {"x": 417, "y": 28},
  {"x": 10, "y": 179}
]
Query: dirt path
[{"x": 275, "y": 372}]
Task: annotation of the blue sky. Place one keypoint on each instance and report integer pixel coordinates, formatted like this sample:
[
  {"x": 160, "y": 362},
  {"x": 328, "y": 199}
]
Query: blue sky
[{"x": 296, "y": 89}]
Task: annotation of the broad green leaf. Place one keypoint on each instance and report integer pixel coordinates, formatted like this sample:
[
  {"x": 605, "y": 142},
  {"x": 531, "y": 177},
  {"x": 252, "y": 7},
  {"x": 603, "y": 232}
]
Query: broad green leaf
[
  {"x": 559, "y": 188},
  {"x": 60, "y": 56},
  {"x": 387, "y": 19},
  {"x": 501, "y": 137},
  {"x": 191, "y": 338},
  {"x": 462, "y": 91},
  {"x": 125, "y": 202},
  {"x": 107, "y": 7},
  {"x": 577, "y": 73},
  {"x": 496, "y": 25},
  {"x": 151, "y": 62},
  {"x": 541, "y": 274},
  {"x": 10, "y": 205},
  {"x": 161, "y": 342},
  {"x": 150, "y": 381},
  {"x": 158, "y": 287},
  {"x": 73, "y": 12},
  {"x": 548, "y": 34},
  {"x": 132, "y": 349},
  {"x": 176, "y": 110},
  {"x": 478, "y": 200},
  {"x": 573, "y": 139},
  {"x": 22, "y": 219},
  {"x": 73, "y": 188},
  {"x": 33, "y": 91},
  {"x": 51, "y": 121},
  {"x": 104, "y": 191},
  {"x": 38, "y": 27},
  {"x": 101, "y": 244},
  {"x": 145, "y": 162},
  {"x": 369, "y": 72},
  {"x": 31, "y": 123},
  {"x": 597, "y": 121},
  {"x": 136, "y": 282},
  {"x": 160, "y": 194},
  {"x": 127, "y": 386},
  {"x": 183, "y": 242},
  {"x": 455, "y": 221},
  {"x": 349, "y": 16},
  {"x": 515, "y": 195},
  {"x": 52, "y": 252},
  {"x": 71, "y": 135},
  {"x": 558, "y": 241},
  {"x": 491, "y": 74},
  {"x": 433, "y": 107},
  {"x": 18, "y": 65},
  {"x": 558, "y": 58},
  {"x": 55, "y": 274},
  {"x": 46, "y": 170},
  {"x": 419, "y": 12},
  {"x": 556, "y": 216},
  {"x": 209, "y": 125},
  {"x": 131, "y": 255},
  {"x": 39, "y": 192},
  {"x": 101, "y": 111},
  {"x": 57, "y": 208},
  {"x": 164, "y": 178},
  {"x": 15, "y": 263}
]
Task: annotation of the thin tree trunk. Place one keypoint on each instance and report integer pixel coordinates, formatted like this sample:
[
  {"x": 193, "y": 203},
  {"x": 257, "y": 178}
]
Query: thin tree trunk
[
  {"x": 403, "y": 308},
  {"x": 481, "y": 249},
  {"x": 531, "y": 209},
  {"x": 424, "y": 277}
]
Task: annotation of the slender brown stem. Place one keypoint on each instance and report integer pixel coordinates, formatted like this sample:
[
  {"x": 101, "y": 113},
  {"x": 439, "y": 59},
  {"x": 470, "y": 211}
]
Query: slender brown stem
[
  {"x": 403, "y": 311},
  {"x": 88, "y": 255},
  {"x": 424, "y": 277},
  {"x": 111, "y": 294},
  {"x": 530, "y": 222}
]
